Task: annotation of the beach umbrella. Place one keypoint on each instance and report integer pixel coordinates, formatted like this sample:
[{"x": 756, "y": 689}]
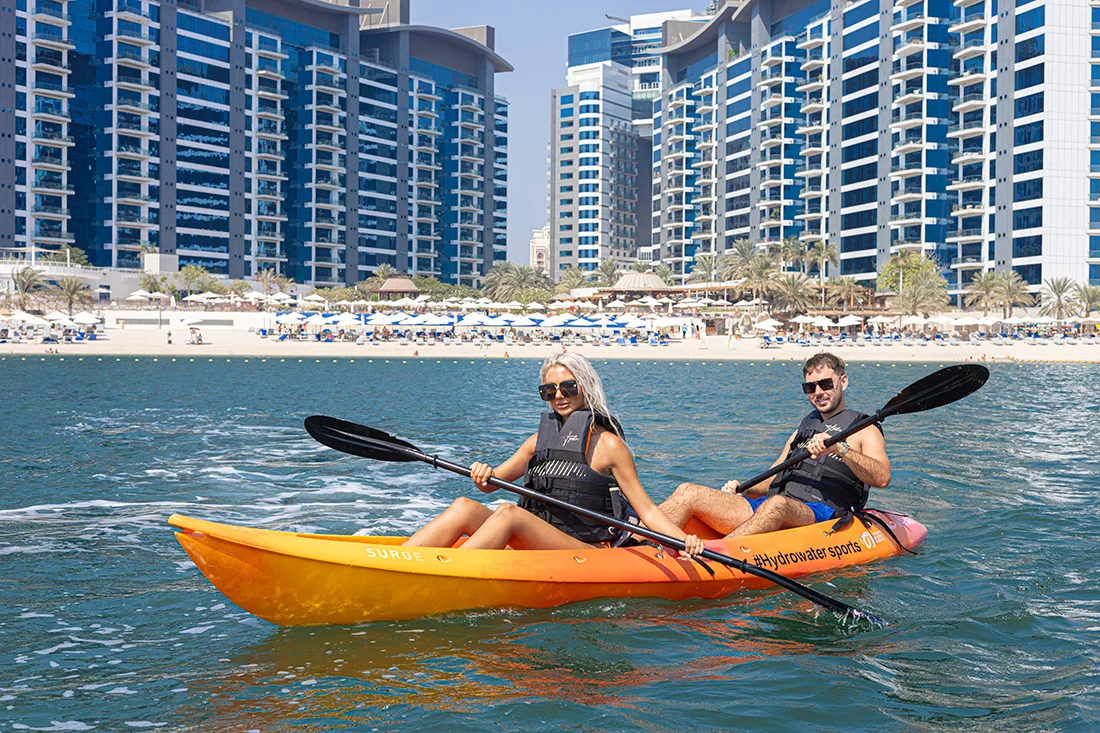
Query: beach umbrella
[
  {"x": 665, "y": 300},
  {"x": 580, "y": 323},
  {"x": 965, "y": 321},
  {"x": 588, "y": 306},
  {"x": 556, "y": 321},
  {"x": 988, "y": 321},
  {"x": 722, "y": 302},
  {"x": 314, "y": 298},
  {"x": 512, "y": 305},
  {"x": 707, "y": 301},
  {"x": 496, "y": 322},
  {"x": 847, "y": 321},
  {"x": 289, "y": 319},
  {"x": 160, "y": 296},
  {"x": 85, "y": 319},
  {"x": 636, "y": 303},
  {"x": 484, "y": 301},
  {"x": 474, "y": 319},
  {"x": 823, "y": 322},
  {"x": 522, "y": 322},
  {"x": 636, "y": 324},
  {"x": 316, "y": 320},
  {"x": 136, "y": 297},
  {"x": 914, "y": 321},
  {"x": 650, "y": 300},
  {"x": 55, "y": 316},
  {"x": 140, "y": 294},
  {"x": 802, "y": 319},
  {"x": 347, "y": 320},
  {"x": 880, "y": 319},
  {"x": 65, "y": 323},
  {"x": 768, "y": 324},
  {"x": 342, "y": 304},
  {"x": 689, "y": 303},
  {"x": 194, "y": 298},
  {"x": 535, "y": 307},
  {"x": 616, "y": 304}
]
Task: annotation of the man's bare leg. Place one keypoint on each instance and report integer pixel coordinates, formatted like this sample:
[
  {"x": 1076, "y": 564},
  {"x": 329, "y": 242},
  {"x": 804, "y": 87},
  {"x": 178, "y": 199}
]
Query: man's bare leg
[
  {"x": 777, "y": 512},
  {"x": 720, "y": 510}
]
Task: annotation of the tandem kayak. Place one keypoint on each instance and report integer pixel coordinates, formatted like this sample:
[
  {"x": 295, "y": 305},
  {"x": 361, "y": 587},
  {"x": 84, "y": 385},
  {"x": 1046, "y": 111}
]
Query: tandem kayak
[{"x": 298, "y": 579}]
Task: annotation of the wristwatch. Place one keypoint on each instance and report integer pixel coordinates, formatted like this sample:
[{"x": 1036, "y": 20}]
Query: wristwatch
[{"x": 843, "y": 449}]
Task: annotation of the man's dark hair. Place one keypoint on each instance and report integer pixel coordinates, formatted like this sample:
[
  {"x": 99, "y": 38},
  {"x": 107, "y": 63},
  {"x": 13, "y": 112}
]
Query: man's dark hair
[{"x": 824, "y": 359}]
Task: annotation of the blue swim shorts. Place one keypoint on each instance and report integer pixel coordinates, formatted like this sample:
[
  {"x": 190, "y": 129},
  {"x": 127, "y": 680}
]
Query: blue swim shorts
[{"x": 822, "y": 512}]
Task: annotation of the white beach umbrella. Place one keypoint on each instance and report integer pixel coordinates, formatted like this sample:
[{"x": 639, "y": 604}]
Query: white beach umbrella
[
  {"x": 665, "y": 300},
  {"x": 881, "y": 319},
  {"x": 707, "y": 301},
  {"x": 768, "y": 324},
  {"x": 282, "y": 296},
  {"x": 535, "y": 307},
  {"x": 194, "y": 298},
  {"x": 65, "y": 323},
  {"x": 635, "y": 303},
  {"x": 56, "y": 316},
  {"x": 140, "y": 293},
  {"x": 616, "y": 304},
  {"x": 823, "y": 322},
  {"x": 636, "y": 324},
  {"x": 684, "y": 304},
  {"x": 314, "y": 298},
  {"x": 965, "y": 321},
  {"x": 85, "y": 319},
  {"x": 316, "y": 320},
  {"x": 988, "y": 321},
  {"x": 942, "y": 320},
  {"x": 914, "y": 321},
  {"x": 346, "y": 320},
  {"x": 289, "y": 319},
  {"x": 160, "y": 296},
  {"x": 522, "y": 322},
  {"x": 802, "y": 319},
  {"x": 512, "y": 305},
  {"x": 580, "y": 323},
  {"x": 650, "y": 300},
  {"x": 722, "y": 302},
  {"x": 588, "y": 306},
  {"x": 556, "y": 321},
  {"x": 135, "y": 297},
  {"x": 847, "y": 321}
]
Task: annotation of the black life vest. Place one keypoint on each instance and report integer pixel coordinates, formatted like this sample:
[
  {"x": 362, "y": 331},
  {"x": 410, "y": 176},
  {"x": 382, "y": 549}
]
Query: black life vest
[
  {"x": 828, "y": 479},
  {"x": 560, "y": 469}
]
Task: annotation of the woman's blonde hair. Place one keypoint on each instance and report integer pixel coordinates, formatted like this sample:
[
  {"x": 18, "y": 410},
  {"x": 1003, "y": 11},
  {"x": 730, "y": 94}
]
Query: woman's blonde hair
[{"x": 591, "y": 387}]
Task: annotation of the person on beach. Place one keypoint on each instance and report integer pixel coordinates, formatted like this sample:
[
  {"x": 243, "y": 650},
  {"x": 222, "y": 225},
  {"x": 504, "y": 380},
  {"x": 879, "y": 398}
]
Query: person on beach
[
  {"x": 579, "y": 456},
  {"x": 833, "y": 482}
]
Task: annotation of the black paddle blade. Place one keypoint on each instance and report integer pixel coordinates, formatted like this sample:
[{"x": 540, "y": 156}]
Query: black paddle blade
[
  {"x": 941, "y": 388},
  {"x": 359, "y": 440}
]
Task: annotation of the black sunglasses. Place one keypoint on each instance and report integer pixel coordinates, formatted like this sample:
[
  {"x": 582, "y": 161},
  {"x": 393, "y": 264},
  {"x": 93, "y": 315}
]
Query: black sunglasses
[
  {"x": 568, "y": 388},
  {"x": 825, "y": 384}
]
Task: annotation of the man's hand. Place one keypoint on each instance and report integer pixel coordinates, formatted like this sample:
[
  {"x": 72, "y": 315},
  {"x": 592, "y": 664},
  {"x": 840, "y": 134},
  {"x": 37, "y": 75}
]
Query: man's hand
[
  {"x": 816, "y": 446},
  {"x": 730, "y": 487}
]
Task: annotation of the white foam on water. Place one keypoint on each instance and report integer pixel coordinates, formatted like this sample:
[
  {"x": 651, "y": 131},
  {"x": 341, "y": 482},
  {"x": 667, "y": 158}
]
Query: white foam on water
[
  {"x": 142, "y": 724},
  {"x": 197, "y": 629},
  {"x": 57, "y": 725}
]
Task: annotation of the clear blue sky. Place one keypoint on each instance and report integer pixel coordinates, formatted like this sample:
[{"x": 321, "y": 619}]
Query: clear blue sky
[{"x": 531, "y": 35}]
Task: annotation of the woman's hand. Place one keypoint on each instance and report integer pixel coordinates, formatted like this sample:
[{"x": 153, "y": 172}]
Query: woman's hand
[
  {"x": 481, "y": 473},
  {"x": 692, "y": 545}
]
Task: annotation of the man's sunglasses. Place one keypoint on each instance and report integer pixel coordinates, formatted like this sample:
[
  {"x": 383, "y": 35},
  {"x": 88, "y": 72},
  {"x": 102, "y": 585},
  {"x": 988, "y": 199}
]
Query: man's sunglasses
[
  {"x": 568, "y": 388},
  {"x": 825, "y": 384}
]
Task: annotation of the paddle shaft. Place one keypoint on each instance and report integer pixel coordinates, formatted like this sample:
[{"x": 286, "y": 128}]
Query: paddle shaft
[
  {"x": 748, "y": 568},
  {"x": 802, "y": 455}
]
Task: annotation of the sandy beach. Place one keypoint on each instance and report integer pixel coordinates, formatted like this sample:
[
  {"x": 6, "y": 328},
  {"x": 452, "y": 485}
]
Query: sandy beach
[{"x": 238, "y": 342}]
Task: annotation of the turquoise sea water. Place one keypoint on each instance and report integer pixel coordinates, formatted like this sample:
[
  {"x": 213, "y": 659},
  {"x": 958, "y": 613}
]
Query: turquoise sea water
[{"x": 106, "y": 625}]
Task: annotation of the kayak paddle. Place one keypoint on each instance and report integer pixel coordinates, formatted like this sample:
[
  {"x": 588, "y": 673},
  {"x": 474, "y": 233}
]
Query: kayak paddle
[
  {"x": 936, "y": 390},
  {"x": 368, "y": 442}
]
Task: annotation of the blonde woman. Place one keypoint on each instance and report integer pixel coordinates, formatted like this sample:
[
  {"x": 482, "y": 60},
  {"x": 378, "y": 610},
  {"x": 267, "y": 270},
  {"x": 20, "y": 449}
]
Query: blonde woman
[{"x": 579, "y": 456}]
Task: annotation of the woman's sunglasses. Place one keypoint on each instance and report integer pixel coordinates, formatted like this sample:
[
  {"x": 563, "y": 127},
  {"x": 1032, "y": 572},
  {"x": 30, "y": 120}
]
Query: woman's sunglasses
[
  {"x": 568, "y": 388},
  {"x": 825, "y": 384}
]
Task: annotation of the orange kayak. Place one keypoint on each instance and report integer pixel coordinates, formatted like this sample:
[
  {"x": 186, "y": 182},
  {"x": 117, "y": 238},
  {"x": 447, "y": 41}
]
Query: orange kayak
[{"x": 296, "y": 579}]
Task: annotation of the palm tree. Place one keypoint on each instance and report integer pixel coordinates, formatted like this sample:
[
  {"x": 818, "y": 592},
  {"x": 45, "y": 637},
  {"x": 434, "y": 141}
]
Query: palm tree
[
  {"x": 665, "y": 273},
  {"x": 792, "y": 293},
  {"x": 1059, "y": 298},
  {"x": 759, "y": 279},
  {"x": 706, "y": 268},
  {"x": 1089, "y": 296},
  {"x": 924, "y": 293},
  {"x": 735, "y": 261},
  {"x": 67, "y": 254},
  {"x": 571, "y": 278},
  {"x": 73, "y": 290},
  {"x": 283, "y": 283},
  {"x": 846, "y": 290},
  {"x": 792, "y": 252},
  {"x": 493, "y": 284},
  {"x": 983, "y": 290},
  {"x": 1012, "y": 291},
  {"x": 607, "y": 272},
  {"x": 27, "y": 281},
  {"x": 266, "y": 279},
  {"x": 641, "y": 266},
  {"x": 822, "y": 253}
]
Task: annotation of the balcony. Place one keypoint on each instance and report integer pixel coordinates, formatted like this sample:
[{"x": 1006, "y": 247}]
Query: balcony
[
  {"x": 967, "y": 157},
  {"x": 813, "y": 104},
  {"x": 969, "y": 22},
  {"x": 132, "y": 59},
  {"x": 136, "y": 199},
  {"x": 970, "y": 49},
  {"x": 906, "y": 170},
  {"x": 54, "y": 235},
  {"x": 50, "y": 186},
  {"x": 128, "y": 105},
  {"x": 908, "y": 96},
  {"x": 134, "y": 36},
  {"x": 908, "y": 21},
  {"x": 968, "y": 209},
  {"x": 907, "y": 243},
  {"x": 131, "y": 10},
  {"x": 44, "y": 13},
  {"x": 909, "y": 47},
  {"x": 772, "y": 77},
  {"x": 135, "y": 220},
  {"x": 53, "y": 40},
  {"x": 969, "y": 183},
  {"x": 905, "y": 69},
  {"x": 965, "y": 235},
  {"x": 970, "y": 103},
  {"x": 907, "y": 194},
  {"x": 814, "y": 40},
  {"x": 135, "y": 128},
  {"x": 909, "y": 144},
  {"x": 51, "y": 64},
  {"x": 968, "y": 262},
  {"x": 51, "y": 136},
  {"x": 813, "y": 147},
  {"x": 967, "y": 129},
  {"x": 814, "y": 60},
  {"x": 135, "y": 84},
  {"x": 905, "y": 120},
  {"x": 812, "y": 84},
  {"x": 53, "y": 112},
  {"x": 906, "y": 219},
  {"x": 58, "y": 212},
  {"x": 51, "y": 162}
]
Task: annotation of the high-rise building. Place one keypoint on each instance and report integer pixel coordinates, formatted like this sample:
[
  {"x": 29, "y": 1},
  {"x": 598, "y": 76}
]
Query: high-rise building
[
  {"x": 540, "y": 249},
  {"x": 315, "y": 139},
  {"x": 879, "y": 126},
  {"x": 601, "y": 123}
]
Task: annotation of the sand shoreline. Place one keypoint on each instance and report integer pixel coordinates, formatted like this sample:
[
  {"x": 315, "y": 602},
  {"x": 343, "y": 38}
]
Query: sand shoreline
[{"x": 151, "y": 342}]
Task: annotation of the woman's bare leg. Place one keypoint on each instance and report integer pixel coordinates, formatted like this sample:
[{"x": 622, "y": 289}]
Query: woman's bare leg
[
  {"x": 511, "y": 526},
  {"x": 463, "y": 516}
]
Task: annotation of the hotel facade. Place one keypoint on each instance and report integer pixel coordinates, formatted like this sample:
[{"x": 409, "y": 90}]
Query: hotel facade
[
  {"x": 309, "y": 138},
  {"x": 968, "y": 130}
]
